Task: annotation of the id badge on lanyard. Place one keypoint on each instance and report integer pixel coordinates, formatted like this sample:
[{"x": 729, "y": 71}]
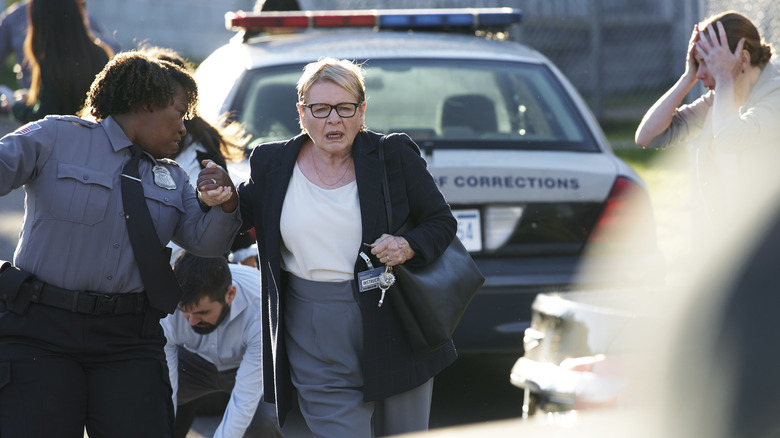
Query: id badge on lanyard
[
  {"x": 373, "y": 278},
  {"x": 369, "y": 279}
]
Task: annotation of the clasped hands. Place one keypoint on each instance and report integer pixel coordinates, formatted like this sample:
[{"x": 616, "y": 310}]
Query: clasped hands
[
  {"x": 215, "y": 187},
  {"x": 391, "y": 250}
]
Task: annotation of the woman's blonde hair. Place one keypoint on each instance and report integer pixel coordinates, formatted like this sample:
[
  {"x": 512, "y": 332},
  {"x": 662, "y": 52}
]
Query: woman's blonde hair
[{"x": 346, "y": 74}]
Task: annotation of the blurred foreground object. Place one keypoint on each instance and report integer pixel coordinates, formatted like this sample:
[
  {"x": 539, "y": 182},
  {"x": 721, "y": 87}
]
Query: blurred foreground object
[{"x": 578, "y": 351}]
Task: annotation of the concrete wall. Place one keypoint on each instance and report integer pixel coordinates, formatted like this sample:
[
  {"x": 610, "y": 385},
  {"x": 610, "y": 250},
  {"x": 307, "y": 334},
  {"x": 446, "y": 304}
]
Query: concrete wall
[{"x": 193, "y": 27}]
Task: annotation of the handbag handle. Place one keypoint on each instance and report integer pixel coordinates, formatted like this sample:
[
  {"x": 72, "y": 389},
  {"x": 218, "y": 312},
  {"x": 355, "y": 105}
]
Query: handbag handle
[{"x": 385, "y": 185}]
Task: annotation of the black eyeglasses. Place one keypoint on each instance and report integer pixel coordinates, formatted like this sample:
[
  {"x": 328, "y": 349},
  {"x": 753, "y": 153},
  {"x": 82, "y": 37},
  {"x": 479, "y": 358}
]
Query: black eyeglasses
[{"x": 322, "y": 110}]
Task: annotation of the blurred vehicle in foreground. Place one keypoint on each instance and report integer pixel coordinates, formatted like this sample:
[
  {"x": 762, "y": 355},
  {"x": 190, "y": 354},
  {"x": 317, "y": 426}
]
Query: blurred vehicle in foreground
[
  {"x": 515, "y": 150},
  {"x": 697, "y": 358},
  {"x": 578, "y": 350}
]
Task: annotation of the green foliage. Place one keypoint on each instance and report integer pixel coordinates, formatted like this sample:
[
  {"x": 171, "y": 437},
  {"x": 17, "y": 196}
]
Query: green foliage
[
  {"x": 621, "y": 136},
  {"x": 637, "y": 157},
  {"x": 620, "y": 130},
  {"x": 7, "y": 75}
]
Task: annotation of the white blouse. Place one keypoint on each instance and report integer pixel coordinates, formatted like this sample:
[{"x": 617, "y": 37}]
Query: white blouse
[{"x": 321, "y": 230}]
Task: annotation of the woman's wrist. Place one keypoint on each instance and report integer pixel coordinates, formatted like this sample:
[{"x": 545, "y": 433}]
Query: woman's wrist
[{"x": 404, "y": 248}]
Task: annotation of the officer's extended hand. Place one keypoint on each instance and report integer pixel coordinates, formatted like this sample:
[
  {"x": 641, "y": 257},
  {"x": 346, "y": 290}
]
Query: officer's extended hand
[{"x": 216, "y": 188}]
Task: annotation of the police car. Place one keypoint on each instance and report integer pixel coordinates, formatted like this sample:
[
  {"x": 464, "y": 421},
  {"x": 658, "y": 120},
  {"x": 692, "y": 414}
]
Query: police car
[{"x": 515, "y": 150}]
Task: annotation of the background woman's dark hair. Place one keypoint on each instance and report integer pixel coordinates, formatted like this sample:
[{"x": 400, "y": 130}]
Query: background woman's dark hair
[
  {"x": 60, "y": 42},
  {"x": 738, "y": 26},
  {"x": 133, "y": 81}
]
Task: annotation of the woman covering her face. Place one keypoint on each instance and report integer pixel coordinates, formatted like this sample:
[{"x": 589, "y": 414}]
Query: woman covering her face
[{"x": 732, "y": 129}]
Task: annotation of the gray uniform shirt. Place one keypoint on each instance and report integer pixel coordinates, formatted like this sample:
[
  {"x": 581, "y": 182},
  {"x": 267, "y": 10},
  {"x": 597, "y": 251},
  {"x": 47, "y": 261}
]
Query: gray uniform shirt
[{"x": 74, "y": 233}]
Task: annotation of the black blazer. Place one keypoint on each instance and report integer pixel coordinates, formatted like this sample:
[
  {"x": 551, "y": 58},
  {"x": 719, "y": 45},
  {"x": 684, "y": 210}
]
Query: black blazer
[{"x": 389, "y": 366}]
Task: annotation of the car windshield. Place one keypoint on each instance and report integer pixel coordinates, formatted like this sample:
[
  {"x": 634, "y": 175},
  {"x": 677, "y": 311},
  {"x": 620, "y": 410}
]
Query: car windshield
[{"x": 440, "y": 103}]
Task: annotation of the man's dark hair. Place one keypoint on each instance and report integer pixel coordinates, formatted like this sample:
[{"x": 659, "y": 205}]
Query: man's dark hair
[
  {"x": 201, "y": 277},
  {"x": 132, "y": 80}
]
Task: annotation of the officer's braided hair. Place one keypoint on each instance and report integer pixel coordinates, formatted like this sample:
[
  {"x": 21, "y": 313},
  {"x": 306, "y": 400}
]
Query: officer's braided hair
[{"x": 132, "y": 81}]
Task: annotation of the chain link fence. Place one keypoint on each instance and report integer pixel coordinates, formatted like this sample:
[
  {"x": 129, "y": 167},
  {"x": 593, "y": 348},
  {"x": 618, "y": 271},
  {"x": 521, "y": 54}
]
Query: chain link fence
[{"x": 620, "y": 54}]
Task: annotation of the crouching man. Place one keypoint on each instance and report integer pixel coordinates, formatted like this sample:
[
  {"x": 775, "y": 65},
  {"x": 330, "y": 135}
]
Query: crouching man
[{"x": 214, "y": 346}]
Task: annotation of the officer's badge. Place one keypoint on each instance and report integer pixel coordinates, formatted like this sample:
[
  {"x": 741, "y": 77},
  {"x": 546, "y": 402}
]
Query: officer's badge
[{"x": 163, "y": 178}]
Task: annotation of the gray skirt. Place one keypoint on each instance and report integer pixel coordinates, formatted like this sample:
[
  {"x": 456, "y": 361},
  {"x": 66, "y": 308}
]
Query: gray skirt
[{"x": 324, "y": 336}]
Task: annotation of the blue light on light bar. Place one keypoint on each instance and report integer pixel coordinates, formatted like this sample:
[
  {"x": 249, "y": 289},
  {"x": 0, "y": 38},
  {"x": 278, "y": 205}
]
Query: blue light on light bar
[
  {"x": 459, "y": 20},
  {"x": 413, "y": 20}
]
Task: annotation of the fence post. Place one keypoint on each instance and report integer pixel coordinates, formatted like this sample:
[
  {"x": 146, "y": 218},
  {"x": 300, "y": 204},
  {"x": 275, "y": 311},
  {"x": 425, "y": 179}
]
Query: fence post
[{"x": 596, "y": 76}]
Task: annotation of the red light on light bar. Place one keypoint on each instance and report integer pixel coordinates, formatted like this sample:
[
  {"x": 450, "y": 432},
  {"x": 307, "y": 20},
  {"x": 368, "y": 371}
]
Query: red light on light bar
[
  {"x": 240, "y": 20},
  {"x": 350, "y": 20}
]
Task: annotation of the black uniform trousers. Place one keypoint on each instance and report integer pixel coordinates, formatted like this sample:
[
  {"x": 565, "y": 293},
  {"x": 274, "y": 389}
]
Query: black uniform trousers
[{"x": 61, "y": 371}]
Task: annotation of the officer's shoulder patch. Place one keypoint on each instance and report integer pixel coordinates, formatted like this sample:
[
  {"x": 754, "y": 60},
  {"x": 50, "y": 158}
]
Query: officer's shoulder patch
[
  {"x": 75, "y": 120},
  {"x": 168, "y": 161},
  {"x": 28, "y": 128}
]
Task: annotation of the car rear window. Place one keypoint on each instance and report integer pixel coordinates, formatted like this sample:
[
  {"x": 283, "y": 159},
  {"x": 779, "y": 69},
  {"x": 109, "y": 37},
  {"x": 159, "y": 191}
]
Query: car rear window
[{"x": 441, "y": 103}]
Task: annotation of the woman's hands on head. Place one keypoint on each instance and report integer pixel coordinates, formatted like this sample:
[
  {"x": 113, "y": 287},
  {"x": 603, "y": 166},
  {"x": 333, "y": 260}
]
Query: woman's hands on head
[
  {"x": 714, "y": 50},
  {"x": 690, "y": 59}
]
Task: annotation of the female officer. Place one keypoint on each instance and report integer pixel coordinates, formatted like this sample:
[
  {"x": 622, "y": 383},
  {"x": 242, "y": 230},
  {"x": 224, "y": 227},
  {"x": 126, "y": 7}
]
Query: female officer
[{"x": 80, "y": 340}]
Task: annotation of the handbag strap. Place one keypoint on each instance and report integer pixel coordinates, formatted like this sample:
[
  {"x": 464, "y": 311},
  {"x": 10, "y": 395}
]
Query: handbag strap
[{"x": 385, "y": 185}]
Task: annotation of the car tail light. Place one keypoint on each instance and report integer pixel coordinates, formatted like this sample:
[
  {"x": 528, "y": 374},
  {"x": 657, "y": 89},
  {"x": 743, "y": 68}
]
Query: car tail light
[{"x": 626, "y": 218}]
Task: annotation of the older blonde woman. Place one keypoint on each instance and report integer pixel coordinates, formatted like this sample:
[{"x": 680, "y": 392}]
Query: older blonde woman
[{"x": 314, "y": 201}]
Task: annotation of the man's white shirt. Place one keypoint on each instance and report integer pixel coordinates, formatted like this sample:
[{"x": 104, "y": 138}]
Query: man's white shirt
[{"x": 236, "y": 343}]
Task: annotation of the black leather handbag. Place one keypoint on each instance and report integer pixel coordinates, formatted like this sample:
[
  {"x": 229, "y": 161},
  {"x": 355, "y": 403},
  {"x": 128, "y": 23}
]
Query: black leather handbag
[{"x": 430, "y": 300}]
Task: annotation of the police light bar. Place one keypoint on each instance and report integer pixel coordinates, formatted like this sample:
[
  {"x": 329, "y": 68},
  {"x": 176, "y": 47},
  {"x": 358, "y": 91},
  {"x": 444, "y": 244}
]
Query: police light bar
[{"x": 398, "y": 19}]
